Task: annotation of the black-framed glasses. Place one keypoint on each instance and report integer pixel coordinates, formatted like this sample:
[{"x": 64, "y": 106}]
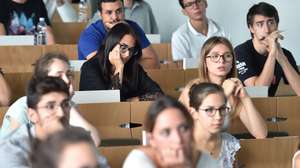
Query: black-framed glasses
[
  {"x": 53, "y": 106},
  {"x": 70, "y": 74},
  {"x": 89, "y": 166},
  {"x": 190, "y": 4},
  {"x": 211, "y": 111},
  {"x": 124, "y": 48},
  {"x": 227, "y": 57}
]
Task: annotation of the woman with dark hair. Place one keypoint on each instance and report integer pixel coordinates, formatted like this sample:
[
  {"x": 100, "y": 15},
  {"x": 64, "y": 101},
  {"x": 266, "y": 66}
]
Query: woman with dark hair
[
  {"x": 209, "y": 108},
  {"x": 116, "y": 66},
  {"x": 169, "y": 128}
]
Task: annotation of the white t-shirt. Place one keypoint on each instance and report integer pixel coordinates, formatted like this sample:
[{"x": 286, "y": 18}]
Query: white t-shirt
[
  {"x": 137, "y": 159},
  {"x": 66, "y": 11},
  {"x": 187, "y": 42}
]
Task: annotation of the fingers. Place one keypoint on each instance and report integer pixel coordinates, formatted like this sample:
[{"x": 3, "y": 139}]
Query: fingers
[{"x": 172, "y": 157}]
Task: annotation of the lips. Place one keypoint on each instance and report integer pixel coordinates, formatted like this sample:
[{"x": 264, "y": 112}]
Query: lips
[
  {"x": 217, "y": 125},
  {"x": 221, "y": 68}
]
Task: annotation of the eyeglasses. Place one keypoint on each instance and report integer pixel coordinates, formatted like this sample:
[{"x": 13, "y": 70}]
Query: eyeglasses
[
  {"x": 87, "y": 166},
  {"x": 124, "y": 48},
  {"x": 52, "y": 106},
  {"x": 216, "y": 58},
  {"x": 70, "y": 74},
  {"x": 190, "y": 4},
  {"x": 224, "y": 110}
]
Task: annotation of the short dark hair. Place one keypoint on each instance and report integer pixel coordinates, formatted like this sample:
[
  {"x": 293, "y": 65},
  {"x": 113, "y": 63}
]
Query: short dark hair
[
  {"x": 200, "y": 91},
  {"x": 47, "y": 153},
  {"x": 181, "y": 3},
  {"x": 105, "y": 1},
  {"x": 159, "y": 106},
  {"x": 263, "y": 9},
  {"x": 41, "y": 66},
  {"x": 38, "y": 87},
  {"x": 113, "y": 38}
]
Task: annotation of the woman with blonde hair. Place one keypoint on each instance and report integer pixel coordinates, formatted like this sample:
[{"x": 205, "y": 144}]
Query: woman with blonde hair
[{"x": 217, "y": 65}]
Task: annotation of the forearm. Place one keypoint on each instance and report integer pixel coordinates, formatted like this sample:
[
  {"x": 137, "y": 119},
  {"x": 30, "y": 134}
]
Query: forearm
[
  {"x": 77, "y": 120},
  {"x": 2, "y": 29},
  {"x": 291, "y": 75},
  {"x": 50, "y": 36},
  {"x": 149, "y": 59},
  {"x": 266, "y": 76},
  {"x": 252, "y": 119},
  {"x": 5, "y": 93},
  {"x": 149, "y": 63}
]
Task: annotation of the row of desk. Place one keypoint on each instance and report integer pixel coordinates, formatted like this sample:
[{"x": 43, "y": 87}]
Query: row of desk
[
  {"x": 108, "y": 117},
  {"x": 21, "y": 58}
]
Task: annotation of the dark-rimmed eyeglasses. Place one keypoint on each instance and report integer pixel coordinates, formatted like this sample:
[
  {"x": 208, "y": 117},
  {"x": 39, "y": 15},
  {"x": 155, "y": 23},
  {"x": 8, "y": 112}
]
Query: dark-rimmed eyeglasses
[
  {"x": 190, "y": 4},
  {"x": 53, "y": 106},
  {"x": 210, "y": 111},
  {"x": 124, "y": 48},
  {"x": 216, "y": 58}
]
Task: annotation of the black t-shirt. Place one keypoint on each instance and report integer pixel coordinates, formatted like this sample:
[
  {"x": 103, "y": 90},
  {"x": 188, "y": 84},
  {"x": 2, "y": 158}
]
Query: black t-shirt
[
  {"x": 21, "y": 19},
  {"x": 250, "y": 63}
]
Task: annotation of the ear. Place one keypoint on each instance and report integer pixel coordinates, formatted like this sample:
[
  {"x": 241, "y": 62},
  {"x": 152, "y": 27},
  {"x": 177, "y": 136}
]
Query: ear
[
  {"x": 206, "y": 5},
  {"x": 151, "y": 139},
  {"x": 33, "y": 115},
  {"x": 184, "y": 12},
  {"x": 251, "y": 29},
  {"x": 100, "y": 14},
  {"x": 194, "y": 113}
]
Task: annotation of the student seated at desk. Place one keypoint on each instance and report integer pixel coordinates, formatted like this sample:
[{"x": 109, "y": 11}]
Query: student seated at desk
[
  {"x": 217, "y": 65},
  {"x": 116, "y": 66},
  {"x": 170, "y": 131},
  {"x": 20, "y": 17},
  {"x": 50, "y": 64},
  {"x": 209, "y": 110}
]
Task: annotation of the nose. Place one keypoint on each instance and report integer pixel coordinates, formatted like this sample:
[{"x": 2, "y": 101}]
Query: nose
[
  {"x": 177, "y": 139},
  {"x": 60, "y": 112},
  {"x": 267, "y": 28},
  {"x": 218, "y": 115},
  {"x": 221, "y": 59},
  {"x": 114, "y": 16}
]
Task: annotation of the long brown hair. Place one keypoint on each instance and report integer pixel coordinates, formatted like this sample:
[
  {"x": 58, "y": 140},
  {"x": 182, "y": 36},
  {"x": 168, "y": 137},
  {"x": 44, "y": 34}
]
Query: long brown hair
[{"x": 206, "y": 48}]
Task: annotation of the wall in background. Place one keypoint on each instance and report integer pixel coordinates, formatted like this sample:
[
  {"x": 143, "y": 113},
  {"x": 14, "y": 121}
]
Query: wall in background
[{"x": 231, "y": 15}]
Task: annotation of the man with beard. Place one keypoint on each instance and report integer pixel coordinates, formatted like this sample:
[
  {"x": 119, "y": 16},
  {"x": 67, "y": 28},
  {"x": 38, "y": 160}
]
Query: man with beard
[{"x": 112, "y": 12}]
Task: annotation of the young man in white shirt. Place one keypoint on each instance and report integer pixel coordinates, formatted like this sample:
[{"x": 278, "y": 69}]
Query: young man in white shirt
[{"x": 188, "y": 39}]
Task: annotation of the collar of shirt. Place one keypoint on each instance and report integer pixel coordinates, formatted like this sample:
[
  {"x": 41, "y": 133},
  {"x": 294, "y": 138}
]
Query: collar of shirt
[
  {"x": 212, "y": 28},
  {"x": 135, "y": 5}
]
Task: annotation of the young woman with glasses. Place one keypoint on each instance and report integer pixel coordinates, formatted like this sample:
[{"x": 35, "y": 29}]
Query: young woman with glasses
[
  {"x": 217, "y": 65},
  {"x": 209, "y": 108},
  {"x": 116, "y": 67}
]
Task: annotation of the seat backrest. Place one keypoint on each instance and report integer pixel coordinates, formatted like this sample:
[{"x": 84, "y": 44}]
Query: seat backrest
[
  {"x": 107, "y": 118},
  {"x": 262, "y": 153}
]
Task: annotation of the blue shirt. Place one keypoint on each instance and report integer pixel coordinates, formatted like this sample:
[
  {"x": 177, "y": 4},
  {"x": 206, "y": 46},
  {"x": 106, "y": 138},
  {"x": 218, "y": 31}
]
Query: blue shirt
[{"x": 91, "y": 38}]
